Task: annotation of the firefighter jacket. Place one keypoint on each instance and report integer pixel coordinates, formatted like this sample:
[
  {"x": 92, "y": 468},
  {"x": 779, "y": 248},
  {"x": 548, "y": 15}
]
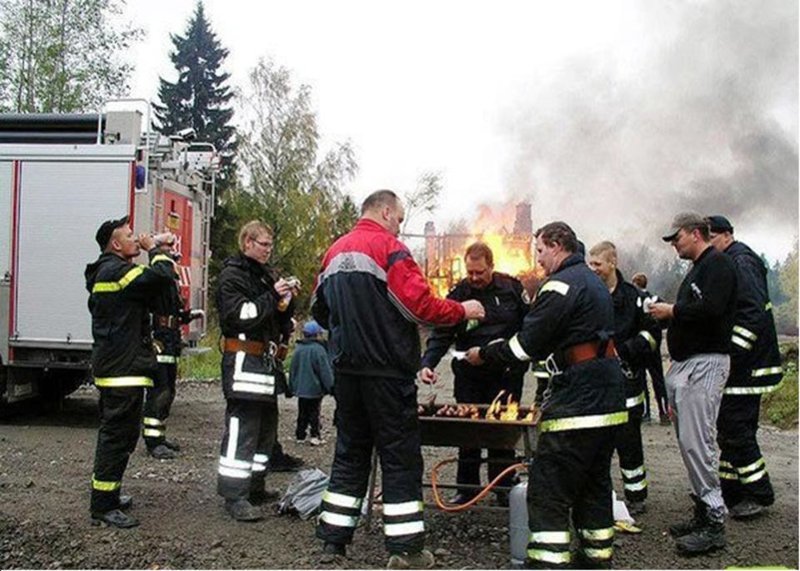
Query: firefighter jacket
[
  {"x": 247, "y": 304},
  {"x": 370, "y": 295},
  {"x": 635, "y": 338},
  {"x": 755, "y": 356},
  {"x": 572, "y": 307},
  {"x": 704, "y": 310},
  {"x": 168, "y": 314},
  {"x": 120, "y": 293},
  {"x": 504, "y": 301}
]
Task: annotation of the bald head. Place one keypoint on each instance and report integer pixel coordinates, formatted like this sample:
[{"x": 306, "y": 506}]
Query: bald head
[{"x": 385, "y": 208}]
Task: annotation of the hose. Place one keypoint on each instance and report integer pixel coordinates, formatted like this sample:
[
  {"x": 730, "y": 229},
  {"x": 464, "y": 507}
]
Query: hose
[{"x": 460, "y": 507}]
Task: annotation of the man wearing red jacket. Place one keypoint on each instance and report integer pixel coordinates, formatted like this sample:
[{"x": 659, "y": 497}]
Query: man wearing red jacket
[{"x": 371, "y": 295}]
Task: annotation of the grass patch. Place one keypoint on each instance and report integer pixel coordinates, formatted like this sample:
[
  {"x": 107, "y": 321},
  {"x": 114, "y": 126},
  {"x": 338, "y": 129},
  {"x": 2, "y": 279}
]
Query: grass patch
[
  {"x": 206, "y": 365},
  {"x": 781, "y": 406}
]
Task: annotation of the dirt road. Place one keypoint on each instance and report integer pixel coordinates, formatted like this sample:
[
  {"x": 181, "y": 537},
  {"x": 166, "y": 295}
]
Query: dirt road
[{"x": 46, "y": 462}]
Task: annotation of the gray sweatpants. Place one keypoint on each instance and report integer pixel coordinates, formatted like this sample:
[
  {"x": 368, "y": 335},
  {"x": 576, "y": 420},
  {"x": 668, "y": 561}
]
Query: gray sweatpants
[{"x": 694, "y": 390}]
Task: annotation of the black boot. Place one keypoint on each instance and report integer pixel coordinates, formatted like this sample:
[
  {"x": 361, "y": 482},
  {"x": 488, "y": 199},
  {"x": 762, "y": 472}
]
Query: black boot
[
  {"x": 703, "y": 540},
  {"x": 697, "y": 521}
]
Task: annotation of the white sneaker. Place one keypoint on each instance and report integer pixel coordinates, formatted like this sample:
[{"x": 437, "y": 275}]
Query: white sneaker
[{"x": 314, "y": 441}]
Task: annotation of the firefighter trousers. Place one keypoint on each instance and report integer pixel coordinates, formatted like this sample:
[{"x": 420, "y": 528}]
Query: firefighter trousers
[
  {"x": 250, "y": 432},
  {"x": 742, "y": 470},
  {"x": 379, "y": 412},
  {"x": 120, "y": 418},
  {"x": 631, "y": 457},
  {"x": 157, "y": 404},
  {"x": 571, "y": 471}
]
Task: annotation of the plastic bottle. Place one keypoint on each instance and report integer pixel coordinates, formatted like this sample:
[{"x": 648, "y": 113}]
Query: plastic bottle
[{"x": 518, "y": 531}]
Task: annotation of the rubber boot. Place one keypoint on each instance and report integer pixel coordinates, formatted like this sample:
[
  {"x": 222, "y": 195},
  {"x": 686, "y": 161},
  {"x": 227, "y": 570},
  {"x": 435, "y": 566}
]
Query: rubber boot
[
  {"x": 697, "y": 521},
  {"x": 709, "y": 537}
]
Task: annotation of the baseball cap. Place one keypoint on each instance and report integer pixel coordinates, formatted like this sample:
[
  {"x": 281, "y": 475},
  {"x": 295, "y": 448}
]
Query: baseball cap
[
  {"x": 107, "y": 229},
  {"x": 684, "y": 220},
  {"x": 718, "y": 223},
  {"x": 311, "y": 329}
]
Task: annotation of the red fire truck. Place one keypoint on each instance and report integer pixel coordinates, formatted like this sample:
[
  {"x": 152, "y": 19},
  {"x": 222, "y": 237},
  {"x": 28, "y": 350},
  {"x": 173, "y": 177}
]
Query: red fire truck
[{"x": 60, "y": 177}]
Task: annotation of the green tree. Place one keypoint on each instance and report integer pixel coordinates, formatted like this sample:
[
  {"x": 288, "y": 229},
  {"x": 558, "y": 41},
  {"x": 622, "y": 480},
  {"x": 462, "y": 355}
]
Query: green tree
[
  {"x": 288, "y": 185},
  {"x": 786, "y": 313},
  {"x": 62, "y": 56},
  {"x": 424, "y": 198}
]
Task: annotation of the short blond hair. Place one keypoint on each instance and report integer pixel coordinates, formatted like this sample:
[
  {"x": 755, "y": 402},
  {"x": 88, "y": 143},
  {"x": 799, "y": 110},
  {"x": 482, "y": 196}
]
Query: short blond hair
[
  {"x": 253, "y": 230},
  {"x": 602, "y": 248}
]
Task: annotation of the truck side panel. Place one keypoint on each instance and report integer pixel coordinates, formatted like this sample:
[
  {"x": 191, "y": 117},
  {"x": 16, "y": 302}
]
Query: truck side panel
[{"x": 6, "y": 185}]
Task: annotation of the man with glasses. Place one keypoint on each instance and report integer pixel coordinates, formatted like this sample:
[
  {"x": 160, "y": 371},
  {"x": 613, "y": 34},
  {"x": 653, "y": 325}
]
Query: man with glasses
[
  {"x": 755, "y": 370},
  {"x": 254, "y": 320},
  {"x": 698, "y": 338}
]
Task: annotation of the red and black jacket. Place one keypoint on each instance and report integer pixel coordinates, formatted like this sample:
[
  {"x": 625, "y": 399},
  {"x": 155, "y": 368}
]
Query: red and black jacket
[{"x": 370, "y": 295}]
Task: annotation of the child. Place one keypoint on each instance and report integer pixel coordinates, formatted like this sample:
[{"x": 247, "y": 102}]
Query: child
[{"x": 310, "y": 378}]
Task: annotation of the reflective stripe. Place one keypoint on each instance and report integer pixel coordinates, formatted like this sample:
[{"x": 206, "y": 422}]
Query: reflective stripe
[
  {"x": 252, "y": 388},
  {"x": 550, "y": 537},
  {"x": 598, "y": 534},
  {"x": 767, "y": 371},
  {"x": 728, "y": 475},
  {"x": 634, "y": 401},
  {"x": 233, "y": 439},
  {"x": 599, "y": 554},
  {"x": 341, "y": 500},
  {"x": 239, "y": 374},
  {"x": 153, "y": 432},
  {"x": 123, "y": 382},
  {"x": 150, "y": 421},
  {"x": 632, "y": 473},
  {"x": 752, "y": 390},
  {"x": 725, "y": 464},
  {"x": 636, "y": 486},
  {"x": 407, "y": 528},
  {"x": 160, "y": 258},
  {"x": 749, "y": 468},
  {"x": 556, "y": 286},
  {"x": 125, "y": 281},
  {"x": 517, "y": 349},
  {"x": 105, "y": 486},
  {"x": 405, "y": 508},
  {"x": 338, "y": 519},
  {"x": 750, "y": 479},
  {"x": 550, "y": 556},
  {"x": 166, "y": 358},
  {"x": 233, "y": 472},
  {"x": 746, "y": 333},
  {"x": 741, "y": 342},
  {"x": 258, "y": 467},
  {"x": 768, "y": 306},
  {"x": 248, "y": 311},
  {"x": 650, "y": 339},
  {"x": 578, "y": 422},
  {"x": 541, "y": 375},
  {"x": 233, "y": 463},
  {"x": 263, "y": 458}
]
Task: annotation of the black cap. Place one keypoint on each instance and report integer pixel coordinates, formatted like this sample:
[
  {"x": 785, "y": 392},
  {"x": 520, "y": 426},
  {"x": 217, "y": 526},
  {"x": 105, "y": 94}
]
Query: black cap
[
  {"x": 719, "y": 224},
  {"x": 107, "y": 229}
]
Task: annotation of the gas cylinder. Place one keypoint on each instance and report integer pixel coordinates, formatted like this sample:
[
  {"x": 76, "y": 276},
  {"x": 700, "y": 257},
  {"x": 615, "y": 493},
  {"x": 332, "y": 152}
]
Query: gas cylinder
[{"x": 518, "y": 531}]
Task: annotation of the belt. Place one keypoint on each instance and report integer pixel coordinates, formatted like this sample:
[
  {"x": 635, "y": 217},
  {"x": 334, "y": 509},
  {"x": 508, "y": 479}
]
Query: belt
[
  {"x": 167, "y": 321},
  {"x": 588, "y": 351},
  {"x": 231, "y": 345}
]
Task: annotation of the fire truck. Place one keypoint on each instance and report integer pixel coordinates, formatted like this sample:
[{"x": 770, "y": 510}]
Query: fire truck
[{"x": 61, "y": 176}]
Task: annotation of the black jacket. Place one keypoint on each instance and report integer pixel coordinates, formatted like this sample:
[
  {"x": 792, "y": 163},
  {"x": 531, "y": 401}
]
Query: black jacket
[
  {"x": 120, "y": 293},
  {"x": 505, "y": 309},
  {"x": 705, "y": 308},
  {"x": 755, "y": 356},
  {"x": 248, "y": 310},
  {"x": 572, "y": 307},
  {"x": 168, "y": 303}
]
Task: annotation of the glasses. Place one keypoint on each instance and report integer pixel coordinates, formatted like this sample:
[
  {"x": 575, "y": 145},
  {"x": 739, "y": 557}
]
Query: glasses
[{"x": 263, "y": 243}]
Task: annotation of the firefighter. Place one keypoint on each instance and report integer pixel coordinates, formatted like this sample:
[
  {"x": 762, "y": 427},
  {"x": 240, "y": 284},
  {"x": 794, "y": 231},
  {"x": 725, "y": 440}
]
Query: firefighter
[
  {"x": 635, "y": 339},
  {"x": 255, "y": 310},
  {"x": 755, "y": 370},
  {"x": 370, "y": 295},
  {"x": 123, "y": 360},
  {"x": 168, "y": 314},
  {"x": 506, "y": 304},
  {"x": 571, "y": 324}
]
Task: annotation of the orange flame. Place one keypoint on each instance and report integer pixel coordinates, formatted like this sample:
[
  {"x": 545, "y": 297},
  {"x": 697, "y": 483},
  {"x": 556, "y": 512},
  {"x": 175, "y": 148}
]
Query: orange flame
[{"x": 512, "y": 409}]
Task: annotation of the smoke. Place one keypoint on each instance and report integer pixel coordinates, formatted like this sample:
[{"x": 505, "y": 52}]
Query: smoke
[{"x": 700, "y": 115}]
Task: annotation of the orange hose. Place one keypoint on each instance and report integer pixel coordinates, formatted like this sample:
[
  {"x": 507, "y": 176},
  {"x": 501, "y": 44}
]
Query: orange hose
[{"x": 482, "y": 494}]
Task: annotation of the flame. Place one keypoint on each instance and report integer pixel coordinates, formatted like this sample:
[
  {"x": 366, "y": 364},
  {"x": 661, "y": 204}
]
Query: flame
[
  {"x": 493, "y": 412},
  {"x": 512, "y": 409},
  {"x": 512, "y": 257}
]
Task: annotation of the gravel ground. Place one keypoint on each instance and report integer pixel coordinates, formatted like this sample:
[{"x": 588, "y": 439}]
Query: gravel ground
[{"x": 45, "y": 467}]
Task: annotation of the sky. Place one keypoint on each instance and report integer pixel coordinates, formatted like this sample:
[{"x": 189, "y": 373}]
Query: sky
[{"x": 612, "y": 116}]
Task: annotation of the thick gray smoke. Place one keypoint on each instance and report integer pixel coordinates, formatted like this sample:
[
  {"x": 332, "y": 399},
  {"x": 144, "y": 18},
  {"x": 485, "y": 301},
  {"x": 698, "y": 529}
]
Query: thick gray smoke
[{"x": 701, "y": 116}]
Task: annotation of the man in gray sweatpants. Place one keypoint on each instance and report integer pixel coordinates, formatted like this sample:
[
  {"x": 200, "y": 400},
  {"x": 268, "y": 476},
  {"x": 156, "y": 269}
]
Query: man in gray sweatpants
[{"x": 698, "y": 338}]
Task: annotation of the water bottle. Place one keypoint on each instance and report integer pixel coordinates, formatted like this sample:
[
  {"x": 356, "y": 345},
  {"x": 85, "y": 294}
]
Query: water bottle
[{"x": 518, "y": 531}]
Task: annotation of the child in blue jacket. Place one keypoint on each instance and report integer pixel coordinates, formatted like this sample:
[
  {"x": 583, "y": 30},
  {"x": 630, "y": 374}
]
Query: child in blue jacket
[{"x": 310, "y": 378}]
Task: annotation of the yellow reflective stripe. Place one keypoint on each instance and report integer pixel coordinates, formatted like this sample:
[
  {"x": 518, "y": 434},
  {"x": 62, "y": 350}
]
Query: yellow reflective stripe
[
  {"x": 154, "y": 432},
  {"x": 166, "y": 358},
  {"x": 407, "y": 528},
  {"x": 125, "y": 281},
  {"x": 632, "y": 473},
  {"x": 601, "y": 554},
  {"x": 601, "y": 534},
  {"x": 650, "y": 339},
  {"x": 111, "y": 382},
  {"x": 102, "y": 486},
  {"x": 405, "y": 508},
  {"x": 750, "y": 479},
  {"x": 550, "y": 556},
  {"x": 338, "y": 520},
  {"x": 725, "y": 464},
  {"x": 160, "y": 258},
  {"x": 741, "y": 342},
  {"x": 749, "y": 468},
  {"x": 149, "y": 421},
  {"x": 634, "y": 401},
  {"x": 556, "y": 286},
  {"x": 550, "y": 537},
  {"x": 746, "y": 333},
  {"x": 636, "y": 486},
  {"x": 578, "y": 422},
  {"x": 341, "y": 500},
  {"x": 768, "y": 306},
  {"x": 517, "y": 349},
  {"x": 752, "y": 390},
  {"x": 767, "y": 371},
  {"x": 728, "y": 475}
]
